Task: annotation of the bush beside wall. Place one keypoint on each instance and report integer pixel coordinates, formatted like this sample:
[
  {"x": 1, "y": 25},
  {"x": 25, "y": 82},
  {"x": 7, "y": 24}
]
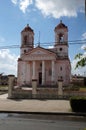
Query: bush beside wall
[{"x": 78, "y": 104}]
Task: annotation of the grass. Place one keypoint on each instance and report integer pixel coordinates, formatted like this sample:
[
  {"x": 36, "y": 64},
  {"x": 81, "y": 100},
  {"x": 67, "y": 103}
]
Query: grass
[
  {"x": 3, "y": 87},
  {"x": 82, "y": 89}
]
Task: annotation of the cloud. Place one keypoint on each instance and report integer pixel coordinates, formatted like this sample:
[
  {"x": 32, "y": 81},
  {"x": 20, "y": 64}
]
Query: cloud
[
  {"x": 14, "y": 1},
  {"x": 2, "y": 39},
  {"x": 83, "y": 47},
  {"x": 84, "y": 36},
  {"x": 54, "y": 8},
  {"x": 8, "y": 62},
  {"x": 59, "y": 8},
  {"x": 23, "y": 4}
]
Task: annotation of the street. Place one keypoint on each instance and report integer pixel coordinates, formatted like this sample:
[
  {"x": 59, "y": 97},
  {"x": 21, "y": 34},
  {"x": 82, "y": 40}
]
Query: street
[{"x": 21, "y": 123}]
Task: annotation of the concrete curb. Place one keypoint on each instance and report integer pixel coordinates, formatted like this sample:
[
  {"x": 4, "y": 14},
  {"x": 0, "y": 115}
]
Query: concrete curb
[{"x": 45, "y": 113}]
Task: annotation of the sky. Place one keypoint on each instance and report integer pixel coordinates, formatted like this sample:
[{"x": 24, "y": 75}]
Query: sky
[{"x": 42, "y": 16}]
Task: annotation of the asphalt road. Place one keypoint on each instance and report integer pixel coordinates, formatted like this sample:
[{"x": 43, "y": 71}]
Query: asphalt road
[{"x": 10, "y": 122}]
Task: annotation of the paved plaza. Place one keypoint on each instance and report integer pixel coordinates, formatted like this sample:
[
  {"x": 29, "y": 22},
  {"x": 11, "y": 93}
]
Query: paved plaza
[{"x": 31, "y": 105}]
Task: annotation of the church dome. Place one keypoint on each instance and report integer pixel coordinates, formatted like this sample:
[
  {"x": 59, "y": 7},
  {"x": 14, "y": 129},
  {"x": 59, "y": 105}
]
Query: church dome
[
  {"x": 61, "y": 26},
  {"x": 27, "y": 28}
]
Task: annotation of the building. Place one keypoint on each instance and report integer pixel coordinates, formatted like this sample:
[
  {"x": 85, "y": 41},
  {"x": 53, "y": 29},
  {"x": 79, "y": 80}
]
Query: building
[
  {"x": 3, "y": 79},
  {"x": 46, "y": 66}
]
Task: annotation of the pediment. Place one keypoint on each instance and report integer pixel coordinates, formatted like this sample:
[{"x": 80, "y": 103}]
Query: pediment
[
  {"x": 39, "y": 54},
  {"x": 40, "y": 51}
]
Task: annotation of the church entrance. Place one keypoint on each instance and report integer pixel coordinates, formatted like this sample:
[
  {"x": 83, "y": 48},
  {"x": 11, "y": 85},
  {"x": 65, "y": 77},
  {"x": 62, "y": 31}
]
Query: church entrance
[{"x": 40, "y": 78}]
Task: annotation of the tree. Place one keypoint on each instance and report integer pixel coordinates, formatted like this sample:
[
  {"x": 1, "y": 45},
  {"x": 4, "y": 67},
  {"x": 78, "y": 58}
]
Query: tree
[{"x": 81, "y": 60}]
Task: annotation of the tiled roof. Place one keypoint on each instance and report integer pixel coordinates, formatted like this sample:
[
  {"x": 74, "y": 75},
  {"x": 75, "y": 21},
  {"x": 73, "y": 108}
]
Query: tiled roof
[
  {"x": 27, "y": 28},
  {"x": 60, "y": 25}
]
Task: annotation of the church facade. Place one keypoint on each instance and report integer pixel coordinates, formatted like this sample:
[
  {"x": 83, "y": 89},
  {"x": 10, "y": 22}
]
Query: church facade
[{"x": 46, "y": 66}]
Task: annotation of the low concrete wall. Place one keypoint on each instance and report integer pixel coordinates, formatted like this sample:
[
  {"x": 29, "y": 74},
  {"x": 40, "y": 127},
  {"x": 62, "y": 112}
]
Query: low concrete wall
[
  {"x": 44, "y": 93},
  {"x": 21, "y": 94},
  {"x": 47, "y": 91},
  {"x": 41, "y": 93}
]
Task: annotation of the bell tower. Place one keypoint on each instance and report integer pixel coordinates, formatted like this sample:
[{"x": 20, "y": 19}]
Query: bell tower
[
  {"x": 27, "y": 39},
  {"x": 61, "y": 34},
  {"x": 61, "y": 39}
]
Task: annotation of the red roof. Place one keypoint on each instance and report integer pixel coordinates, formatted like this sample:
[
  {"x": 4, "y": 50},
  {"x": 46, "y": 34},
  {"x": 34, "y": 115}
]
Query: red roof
[
  {"x": 27, "y": 28},
  {"x": 60, "y": 26}
]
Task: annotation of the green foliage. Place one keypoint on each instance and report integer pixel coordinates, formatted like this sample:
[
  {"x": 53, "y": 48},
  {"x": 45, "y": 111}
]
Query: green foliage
[
  {"x": 81, "y": 63},
  {"x": 78, "y": 98},
  {"x": 81, "y": 60},
  {"x": 84, "y": 82},
  {"x": 3, "y": 87},
  {"x": 78, "y": 56}
]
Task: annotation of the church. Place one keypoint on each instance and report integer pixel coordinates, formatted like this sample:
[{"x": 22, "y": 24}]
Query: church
[{"x": 44, "y": 65}]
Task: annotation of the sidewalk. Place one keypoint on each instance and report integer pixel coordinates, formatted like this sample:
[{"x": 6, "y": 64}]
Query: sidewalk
[{"x": 34, "y": 105}]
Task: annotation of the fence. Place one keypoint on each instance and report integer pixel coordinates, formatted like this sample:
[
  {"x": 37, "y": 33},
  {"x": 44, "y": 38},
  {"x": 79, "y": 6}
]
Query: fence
[{"x": 27, "y": 94}]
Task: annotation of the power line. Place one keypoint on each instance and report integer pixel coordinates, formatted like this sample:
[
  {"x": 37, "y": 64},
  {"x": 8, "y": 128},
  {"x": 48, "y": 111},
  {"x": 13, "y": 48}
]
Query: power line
[
  {"x": 75, "y": 42},
  {"x": 11, "y": 46}
]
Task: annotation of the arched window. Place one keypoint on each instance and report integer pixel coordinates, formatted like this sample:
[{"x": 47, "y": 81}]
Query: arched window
[
  {"x": 61, "y": 68},
  {"x": 60, "y": 48},
  {"x": 61, "y": 39},
  {"x": 24, "y": 51},
  {"x": 25, "y": 39}
]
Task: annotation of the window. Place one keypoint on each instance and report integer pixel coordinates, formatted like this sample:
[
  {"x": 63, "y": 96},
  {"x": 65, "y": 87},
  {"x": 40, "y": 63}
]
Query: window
[
  {"x": 61, "y": 68},
  {"x": 50, "y": 72},
  {"x": 60, "y": 49},
  {"x": 61, "y": 39},
  {"x": 60, "y": 78},
  {"x": 24, "y": 51},
  {"x": 40, "y": 64},
  {"x": 25, "y": 39}
]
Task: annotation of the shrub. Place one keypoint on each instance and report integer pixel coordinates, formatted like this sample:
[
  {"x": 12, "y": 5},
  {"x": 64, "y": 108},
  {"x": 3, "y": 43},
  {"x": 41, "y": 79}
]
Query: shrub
[
  {"x": 85, "y": 81},
  {"x": 78, "y": 104}
]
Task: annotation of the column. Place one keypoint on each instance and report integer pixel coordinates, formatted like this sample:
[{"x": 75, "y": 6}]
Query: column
[
  {"x": 28, "y": 73},
  {"x": 34, "y": 80},
  {"x": 34, "y": 70},
  {"x": 11, "y": 85},
  {"x": 24, "y": 73},
  {"x": 60, "y": 87},
  {"x": 43, "y": 72},
  {"x": 53, "y": 72},
  {"x": 34, "y": 88}
]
